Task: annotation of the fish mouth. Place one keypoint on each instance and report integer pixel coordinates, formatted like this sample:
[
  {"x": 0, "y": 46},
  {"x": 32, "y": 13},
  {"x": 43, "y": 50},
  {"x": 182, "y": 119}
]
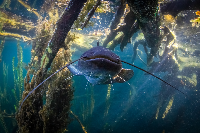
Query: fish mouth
[{"x": 117, "y": 61}]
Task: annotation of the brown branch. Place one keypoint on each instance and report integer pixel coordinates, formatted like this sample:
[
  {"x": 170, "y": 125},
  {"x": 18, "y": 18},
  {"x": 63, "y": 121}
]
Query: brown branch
[
  {"x": 91, "y": 13},
  {"x": 24, "y": 38},
  {"x": 64, "y": 25}
]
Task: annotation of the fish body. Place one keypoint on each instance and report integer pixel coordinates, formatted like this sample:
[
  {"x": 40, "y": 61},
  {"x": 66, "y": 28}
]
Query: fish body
[{"x": 101, "y": 66}]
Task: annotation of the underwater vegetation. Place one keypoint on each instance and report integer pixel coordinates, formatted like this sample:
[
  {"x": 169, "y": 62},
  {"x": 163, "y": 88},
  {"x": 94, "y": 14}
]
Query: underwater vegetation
[
  {"x": 160, "y": 36},
  {"x": 1, "y": 48},
  {"x": 7, "y": 96}
]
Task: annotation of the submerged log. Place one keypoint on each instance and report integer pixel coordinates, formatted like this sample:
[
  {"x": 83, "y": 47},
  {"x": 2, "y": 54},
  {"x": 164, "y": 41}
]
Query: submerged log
[{"x": 64, "y": 25}]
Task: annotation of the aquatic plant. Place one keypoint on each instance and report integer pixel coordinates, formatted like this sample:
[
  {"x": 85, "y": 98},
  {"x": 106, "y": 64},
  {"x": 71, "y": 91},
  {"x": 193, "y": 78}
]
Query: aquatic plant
[
  {"x": 168, "y": 106},
  {"x": 49, "y": 5},
  {"x": 189, "y": 80},
  {"x": 82, "y": 16},
  {"x": 3, "y": 122},
  {"x": 107, "y": 100},
  {"x": 48, "y": 109},
  {"x": 5, "y": 77},
  {"x": 29, "y": 8},
  {"x": 14, "y": 90},
  {"x": 5, "y": 4},
  {"x": 158, "y": 109},
  {"x": 52, "y": 116},
  {"x": 83, "y": 128},
  {"x": 12, "y": 21},
  {"x": 3, "y": 96},
  {"x": 20, "y": 68},
  {"x": 92, "y": 100},
  {"x": 4, "y": 34},
  {"x": 1, "y": 48},
  {"x": 104, "y": 7},
  {"x": 58, "y": 95}
]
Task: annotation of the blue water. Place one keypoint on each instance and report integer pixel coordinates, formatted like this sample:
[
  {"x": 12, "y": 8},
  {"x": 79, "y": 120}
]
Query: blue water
[
  {"x": 133, "y": 112},
  {"x": 130, "y": 107}
]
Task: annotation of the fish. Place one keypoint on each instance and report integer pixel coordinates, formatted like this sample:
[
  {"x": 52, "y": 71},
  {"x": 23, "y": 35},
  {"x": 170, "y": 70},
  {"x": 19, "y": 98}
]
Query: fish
[{"x": 99, "y": 65}]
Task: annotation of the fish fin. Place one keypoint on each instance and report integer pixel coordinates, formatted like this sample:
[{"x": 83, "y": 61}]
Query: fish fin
[
  {"x": 110, "y": 81},
  {"x": 91, "y": 80},
  {"x": 124, "y": 75},
  {"x": 73, "y": 69}
]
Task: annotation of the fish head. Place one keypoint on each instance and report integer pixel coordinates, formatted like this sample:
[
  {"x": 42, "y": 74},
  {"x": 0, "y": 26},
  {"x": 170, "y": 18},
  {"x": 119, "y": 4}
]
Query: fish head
[
  {"x": 99, "y": 64},
  {"x": 101, "y": 52}
]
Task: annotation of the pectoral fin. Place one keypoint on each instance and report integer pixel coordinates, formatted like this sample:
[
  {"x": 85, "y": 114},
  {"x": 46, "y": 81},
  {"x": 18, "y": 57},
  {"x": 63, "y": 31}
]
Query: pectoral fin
[
  {"x": 124, "y": 75},
  {"x": 73, "y": 69}
]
